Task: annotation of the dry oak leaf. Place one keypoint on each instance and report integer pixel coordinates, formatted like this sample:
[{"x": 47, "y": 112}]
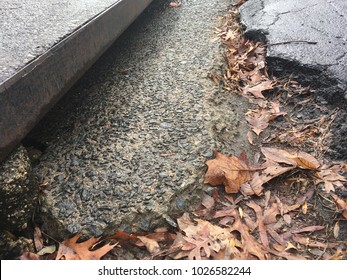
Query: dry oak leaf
[
  {"x": 231, "y": 171},
  {"x": 259, "y": 88},
  {"x": 202, "y": 239},
  {"x": 260, "y": 220},
  {"x": 330, "y": 178},
  {"x": 70, "y": 249},
  {"x": 258, "y": 120},
  {"x": 253, "y": 187},
  {"x": 249, "y": 246},
  {"x": 275, "y": 111}
]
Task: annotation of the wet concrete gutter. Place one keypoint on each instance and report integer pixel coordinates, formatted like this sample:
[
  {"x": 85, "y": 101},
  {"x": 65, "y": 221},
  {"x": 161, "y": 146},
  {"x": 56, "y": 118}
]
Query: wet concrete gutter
[{"x": 27, "y": 93}]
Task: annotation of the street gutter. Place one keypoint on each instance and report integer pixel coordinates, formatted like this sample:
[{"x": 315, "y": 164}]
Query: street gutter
[{"x": 30, "y": 93}]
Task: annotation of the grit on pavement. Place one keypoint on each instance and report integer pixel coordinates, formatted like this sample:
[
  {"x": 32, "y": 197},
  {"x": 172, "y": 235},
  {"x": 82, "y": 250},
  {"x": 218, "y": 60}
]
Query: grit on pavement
[{"x": 126, "y": 147}]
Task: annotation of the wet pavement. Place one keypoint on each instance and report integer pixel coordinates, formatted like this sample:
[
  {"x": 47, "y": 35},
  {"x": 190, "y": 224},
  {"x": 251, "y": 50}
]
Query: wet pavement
[
  {"x": 126, "y": 147},
  {"x": 311, "y": 33},
  {"x": 307, "y": 41}
]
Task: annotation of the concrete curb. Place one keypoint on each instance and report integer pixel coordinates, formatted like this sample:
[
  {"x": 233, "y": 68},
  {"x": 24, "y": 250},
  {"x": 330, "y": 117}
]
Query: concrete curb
[{"x": 27, "y": 96}]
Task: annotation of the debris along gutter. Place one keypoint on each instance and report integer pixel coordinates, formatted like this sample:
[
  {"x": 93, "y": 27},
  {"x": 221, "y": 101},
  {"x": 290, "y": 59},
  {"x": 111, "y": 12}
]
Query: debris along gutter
[
  {"x": 307, "y": 41},
  {"x": 26, "y": 96}
]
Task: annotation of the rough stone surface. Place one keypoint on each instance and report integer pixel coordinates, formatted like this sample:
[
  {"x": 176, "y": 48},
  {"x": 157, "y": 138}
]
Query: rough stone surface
[
  {"x": 126, "y": 148},
  {"x": 18, "y": 193},
  {"x": 306, "y": 39}
]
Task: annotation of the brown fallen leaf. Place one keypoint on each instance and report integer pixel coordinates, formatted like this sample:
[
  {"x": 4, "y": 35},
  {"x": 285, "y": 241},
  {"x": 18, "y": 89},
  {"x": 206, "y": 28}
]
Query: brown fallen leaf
[
  {"x": 202, "y": 238},
  {"x": 330, "y": 177},
  {"x": 231, "y": 171},
  {"x": 278, "y": 155},
  {"x": 275, "y": 111},
  {"x": 271, "y": 213},
  {"x": 305, "y": 160},
  {"x": 38, "y": 241},
  {"x": 274, "y": 171},
  {"x": 258, "y": 120},
  {"x": 250, "y": 137},
  {"x": 295, "y": 158},
  {"x": 309, "y": 229},
  {"x": 122, "y": 236},
  {"x": 152, "y": 246},
  {"x": 258, "y": 89},
  {"x": 175, "y": 4},
  {"x": 279, "y": 239},
  {"x": 255, "y": 187},
  {"x": 341, "y": 205},
  {"x": 249, "y": 246},
  {"x": 286, "y": 255},
  {"x": 260, "y": 220},
  {"x": 70, "y": 249},
  {"x": 306, "y": 241}
]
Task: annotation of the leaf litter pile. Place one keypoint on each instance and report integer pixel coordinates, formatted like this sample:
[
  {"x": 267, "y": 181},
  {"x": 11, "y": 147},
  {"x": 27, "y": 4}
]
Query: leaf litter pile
[{"x": 289, "y": 203}]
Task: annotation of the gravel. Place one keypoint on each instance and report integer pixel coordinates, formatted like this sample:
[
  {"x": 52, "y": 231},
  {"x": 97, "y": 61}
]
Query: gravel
[{"x": 126, "y": 147}]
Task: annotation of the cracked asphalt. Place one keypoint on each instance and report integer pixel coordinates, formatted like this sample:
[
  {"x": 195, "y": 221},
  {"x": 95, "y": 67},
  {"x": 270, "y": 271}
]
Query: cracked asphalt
[
  {"x": 126, "y": 147},
  {"x": 306, "y": 40},
  {"x": 312, "y": 32}
]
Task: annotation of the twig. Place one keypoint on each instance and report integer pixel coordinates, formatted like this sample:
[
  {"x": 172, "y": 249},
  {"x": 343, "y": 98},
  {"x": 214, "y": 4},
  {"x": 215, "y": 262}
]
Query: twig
[{"x": 294, "y": 41}]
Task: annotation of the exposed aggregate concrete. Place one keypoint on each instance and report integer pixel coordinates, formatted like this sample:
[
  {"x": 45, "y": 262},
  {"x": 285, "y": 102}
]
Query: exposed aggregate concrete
[{"x": 126, "y": 148}]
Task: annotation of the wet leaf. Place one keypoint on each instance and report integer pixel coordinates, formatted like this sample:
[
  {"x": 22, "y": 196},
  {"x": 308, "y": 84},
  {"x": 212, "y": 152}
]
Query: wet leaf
[
  {"x": 278, "y": 155},
  {"x": 309, "y": 229},
  {"x": 260, "y": 220},
  {"x": 330, "y": 178},
  {"x": 70, "y": 249},
  {"x": 258, "y": 120},
  {"x": 275, "y": 110},
  {"x": 257, "y": 90},
  {"x": 306, "y": 241},
  {"x": 305, "y": 160},
  {"x": 231, "y": 171},
  {"x": 250, "y": 247},
  {"x": 152, "y": 246},
  {"x": 122, "y": 236}
]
